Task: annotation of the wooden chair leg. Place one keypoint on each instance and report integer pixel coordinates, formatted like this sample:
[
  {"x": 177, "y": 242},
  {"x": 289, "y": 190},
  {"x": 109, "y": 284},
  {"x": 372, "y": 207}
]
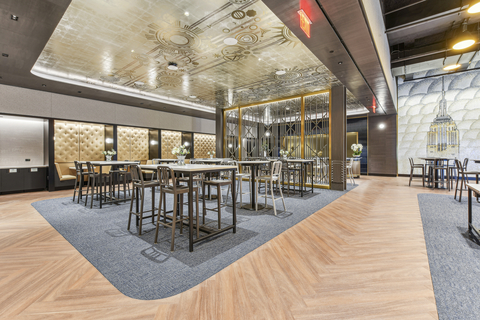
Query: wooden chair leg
[
  {"x": 219, "y": 203},
  {"x": 158, "y": 217},
  {"x": 88, "y": 187},
  {"x": 197, "y": 214},
  {"x": 181, "y": 213},
  {"x": 141, "y": 211},
  {"x": 174, "y": 223},
  {"x": 461, "y": 188}
]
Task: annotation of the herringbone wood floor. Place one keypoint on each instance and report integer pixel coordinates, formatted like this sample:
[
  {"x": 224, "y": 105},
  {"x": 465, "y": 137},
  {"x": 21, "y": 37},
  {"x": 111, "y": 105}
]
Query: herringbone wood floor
[{"x": 361, "y": 257}]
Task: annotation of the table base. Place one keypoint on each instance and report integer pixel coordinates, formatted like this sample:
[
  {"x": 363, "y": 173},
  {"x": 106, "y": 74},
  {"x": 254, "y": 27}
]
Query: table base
[{"x": 250, "y": 207}]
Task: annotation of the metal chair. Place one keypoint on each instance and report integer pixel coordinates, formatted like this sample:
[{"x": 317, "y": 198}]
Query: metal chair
[
  {"x": 414, "y": 166},
  {"x": 349, "y": 168},
  {"x": 276, "y": 169},
  {"x": 95, "y": 180},
  {"x": 239, "y": 177},
  {"x": 219, "y": 182},
  {"x": 164, "y": 174},
  {"x": 463, "y": 177},
  {"x": 140, "y": 186},
  {"x": 79, "y": 180}
]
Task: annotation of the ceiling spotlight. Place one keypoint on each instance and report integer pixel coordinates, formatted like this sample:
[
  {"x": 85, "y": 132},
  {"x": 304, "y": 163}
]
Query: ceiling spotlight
[
  {"x": 187, "y": 13},
  {"x": 172, "y": 66},
  {"x": 5, "y": 55},
  {"x": 133, "y": 50},
  {"x": 475, "y": 8},
  {"x": 381, "y": 125},
  {"x": 230, "y": 41},
  {"x": 259, "y": 59},
  {"x": 14, "y": 17},
  {"x": 452, "y": 67},
  {"x": 44, "y": 85},
  {"x": 280, "y": 72},
  {"x": 340, "y": 62},
  {"x": 192, "y": 97},
  {"x": 230, "y": 145},
  {"x": 464, "y": 39},
  {"x": 139, "y": 83}
]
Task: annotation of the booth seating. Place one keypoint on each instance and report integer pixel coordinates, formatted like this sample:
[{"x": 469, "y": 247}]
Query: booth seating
[{"x": 63, "y": 171}]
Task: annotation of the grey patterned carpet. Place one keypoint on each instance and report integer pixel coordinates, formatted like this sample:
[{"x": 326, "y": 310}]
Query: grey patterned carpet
[
  {"x": 453, "y": 257},
  {"x": 142, "y": 270}
]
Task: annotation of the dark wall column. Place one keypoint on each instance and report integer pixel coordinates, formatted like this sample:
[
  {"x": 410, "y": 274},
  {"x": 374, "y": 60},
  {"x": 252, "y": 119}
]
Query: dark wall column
[
  {"x": 219, "y": 133},
  {"x": 382, "y": 145},
  {"x": 51, "y": 154},
  {"x": 338, "y": 137}
]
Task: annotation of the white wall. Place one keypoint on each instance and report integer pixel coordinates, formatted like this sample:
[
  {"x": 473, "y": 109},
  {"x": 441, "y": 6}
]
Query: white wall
[
  {"x": 28, "y": 102},
  {"x": 20, "y": 139}
]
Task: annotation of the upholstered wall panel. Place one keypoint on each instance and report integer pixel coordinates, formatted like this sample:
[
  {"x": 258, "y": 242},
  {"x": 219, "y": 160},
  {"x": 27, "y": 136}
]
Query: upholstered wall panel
[
  {"x": 132, "y": 143},
  {"x": 123, "y": 143},
  {"x": 92, "y": 142},
  {"x": 66, "y": 141},
  {"x": 203, "y": 143},
  {"x": 170, "y": 140},
  {"x": 139, "y": 149}
]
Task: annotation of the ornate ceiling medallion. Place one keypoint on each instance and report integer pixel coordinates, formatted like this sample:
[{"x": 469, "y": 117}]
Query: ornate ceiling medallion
[
  {"x": 287, "y": 36},
  {"x": 233, "y": 53},
  {"x": 176, "y": 39},
  {"x": 246, "y": 38},
  {"x": 169, "y": 79},
  {"x": 290, "y": 76}
]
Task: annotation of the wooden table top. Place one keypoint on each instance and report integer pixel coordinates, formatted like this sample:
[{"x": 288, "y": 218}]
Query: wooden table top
[{"x": 435, "y": 158}]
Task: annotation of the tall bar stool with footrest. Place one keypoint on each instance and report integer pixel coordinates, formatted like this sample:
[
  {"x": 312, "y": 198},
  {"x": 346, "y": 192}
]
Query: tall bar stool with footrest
[
  {"x": 140, "y": 186},
  {"x": 79, "y": 180},
  {"x": 239, "y": 177},
  {"x": 219, "y": 182},
  {"x": 349, "y": 168},
  {"x": 276, "y": 169},
  {"x": 463, "y": 177},
  {"x": 414, "y": 166},
  {"x": 95, "y": 180},
  {"x": 164, "y": 174}
]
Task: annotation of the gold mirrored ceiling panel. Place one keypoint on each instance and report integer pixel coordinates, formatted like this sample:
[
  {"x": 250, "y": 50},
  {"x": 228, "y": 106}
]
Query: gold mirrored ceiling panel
[{"x": 212, "y": 53}]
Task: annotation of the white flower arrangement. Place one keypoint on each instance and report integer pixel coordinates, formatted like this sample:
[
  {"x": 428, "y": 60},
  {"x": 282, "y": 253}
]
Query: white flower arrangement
[
  {"x": 109, "y": 152},
  {"x": 357, "y": 149},
  {"x": 284, "y": 152},
  {"x": 180, "y": 151},
  {"x": 211, "y": 152}
]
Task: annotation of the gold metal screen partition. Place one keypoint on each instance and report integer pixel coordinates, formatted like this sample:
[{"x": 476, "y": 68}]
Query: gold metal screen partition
[{"x": 298, "y": 124}]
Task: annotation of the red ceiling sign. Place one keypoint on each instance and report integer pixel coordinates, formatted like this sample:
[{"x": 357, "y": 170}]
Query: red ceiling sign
[{"x": 305, "y": 22}]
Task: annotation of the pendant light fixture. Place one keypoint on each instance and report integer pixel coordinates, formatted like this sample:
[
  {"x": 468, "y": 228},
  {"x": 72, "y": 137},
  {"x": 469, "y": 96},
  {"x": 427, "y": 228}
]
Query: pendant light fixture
[{"x": 465, "y": 39}]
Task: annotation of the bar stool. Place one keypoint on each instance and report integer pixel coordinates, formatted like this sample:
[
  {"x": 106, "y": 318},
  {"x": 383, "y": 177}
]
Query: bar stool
[
  {"x": 462, "y": 176},
  {"x": 239, "y": 177},
  {"x": 274, "y": 176},
  {"x": 414, "y": 166},
  {"x": 164, "y": 173},
  {"x": 96, "y": 180},
  {"x": 219, "y": 183},
  {"x": 79, "y": 178},
  {"x": 140, "y": 186},
  {"x": 443, "y": 171}
]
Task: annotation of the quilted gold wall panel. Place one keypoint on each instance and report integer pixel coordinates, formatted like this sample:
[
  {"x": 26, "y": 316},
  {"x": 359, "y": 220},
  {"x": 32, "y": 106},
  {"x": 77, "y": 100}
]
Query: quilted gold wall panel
[
  {"x": 132, "y": 143},
  {"x": 66, "y": 141},
  {"x": 203, "y": 143},
  {"x": 92, "y": 142},
  {"x": 123, "y": 143},
  {"x": 78, "y": 141},
  {"x": 170, "y": 140}
]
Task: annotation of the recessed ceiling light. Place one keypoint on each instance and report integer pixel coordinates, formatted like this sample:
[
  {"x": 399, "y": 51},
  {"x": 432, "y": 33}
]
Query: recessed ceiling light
[
  {"x": 259, "y": 59},
  {"x": 193, "y": 97},
  {"x": 340, "y": 62},
  {"x": 475, "y": 8},
  {"x": 230, "y": 41},
  {"x": 280, "y": 72},
  {"x": 381, "y": 125},
  {"x": 79, "y": 91},
  {"x": 5, "y": 55},
  {"x": 452, "y": 67},
  {"x": 172, "y": 66},
  {"x": 44, "y": 85},
  {"x": 14, "y": 17},
  {"x": 139, "y": 83},
  {"x": 187, "y": 13},
  {"x": 133, "y": 50}
]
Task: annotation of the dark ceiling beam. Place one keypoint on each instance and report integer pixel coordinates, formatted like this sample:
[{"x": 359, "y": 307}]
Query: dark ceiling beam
[
  {"x": 401, "y": 8},
  {"x": 359, "y": 70},
  {"x": 430, "y": 9}
]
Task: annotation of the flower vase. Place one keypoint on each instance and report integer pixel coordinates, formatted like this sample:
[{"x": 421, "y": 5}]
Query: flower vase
[
  {"x": 181, "y": 160},
  {"x": 211, "y": 156},
  {"x": 264, "y": 154},
  {"x": 356, "y": 155},
  {"x": 108, "y": 158}
]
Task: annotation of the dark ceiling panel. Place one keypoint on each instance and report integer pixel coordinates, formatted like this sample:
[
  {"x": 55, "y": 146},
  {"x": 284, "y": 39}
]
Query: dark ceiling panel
[{"x": 360, "y": 70}]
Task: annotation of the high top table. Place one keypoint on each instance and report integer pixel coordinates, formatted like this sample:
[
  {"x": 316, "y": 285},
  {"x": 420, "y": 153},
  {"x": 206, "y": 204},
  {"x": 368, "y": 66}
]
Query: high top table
[
  {"x": 303, "y": 168},
  {"x": 472, "y": 187},
  {"x": 253, "y": 172},
  {"x": 102, "y": 164},
  {"x": 438, "y": 161},
  {"x": 190, "y": 170},
  {"x": 210, "y": 160}
]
